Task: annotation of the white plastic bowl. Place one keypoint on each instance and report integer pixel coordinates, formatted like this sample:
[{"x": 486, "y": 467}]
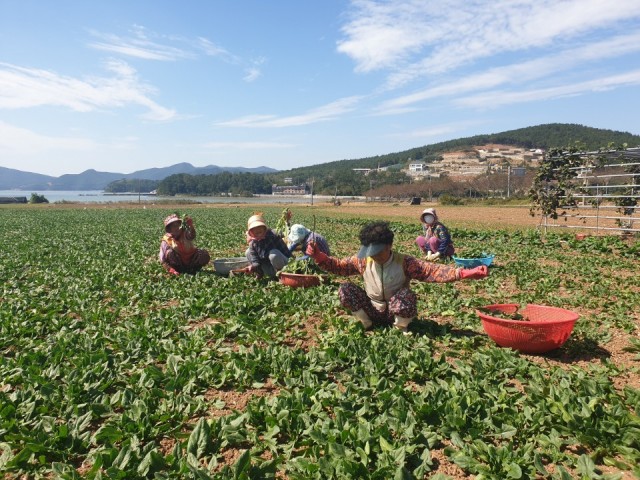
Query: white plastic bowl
[{"x": 224, "y": 265}]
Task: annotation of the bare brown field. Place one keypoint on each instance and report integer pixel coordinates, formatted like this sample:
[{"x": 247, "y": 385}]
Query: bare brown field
[{"x": 453, "y": 216}]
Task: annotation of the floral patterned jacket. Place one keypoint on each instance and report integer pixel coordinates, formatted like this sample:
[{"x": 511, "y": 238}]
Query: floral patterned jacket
[
  {"x": 441, "y": 232},
  {"x": 382, "y": 281},
  {"x": 182, "y": 244}
]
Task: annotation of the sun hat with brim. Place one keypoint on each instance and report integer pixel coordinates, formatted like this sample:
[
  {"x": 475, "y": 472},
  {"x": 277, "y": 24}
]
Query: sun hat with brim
[
  {"x": 255, "y": 221},
  {"x": 298, "y": 233},
  {"x": 171, "y": 219},
  {"x": 371, "y": 249}
]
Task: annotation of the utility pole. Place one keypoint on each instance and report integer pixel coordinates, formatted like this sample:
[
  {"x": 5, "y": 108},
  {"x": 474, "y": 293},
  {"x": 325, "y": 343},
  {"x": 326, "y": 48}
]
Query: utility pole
[{"x": 508, "y": 181}]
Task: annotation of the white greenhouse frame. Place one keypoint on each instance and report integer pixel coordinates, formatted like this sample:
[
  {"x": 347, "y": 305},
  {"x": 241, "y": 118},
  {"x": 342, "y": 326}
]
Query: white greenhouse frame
[{"x": 596, "y": 197}]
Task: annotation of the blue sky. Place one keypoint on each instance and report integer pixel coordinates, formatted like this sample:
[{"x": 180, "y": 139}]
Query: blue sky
[{"x": 124, "y": 85}]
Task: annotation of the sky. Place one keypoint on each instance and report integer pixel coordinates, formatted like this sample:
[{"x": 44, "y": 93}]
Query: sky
[{"x": 125, "y": 85}]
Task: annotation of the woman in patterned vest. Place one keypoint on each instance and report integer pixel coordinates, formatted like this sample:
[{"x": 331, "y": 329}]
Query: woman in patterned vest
[{"x": 386, "y": 297}]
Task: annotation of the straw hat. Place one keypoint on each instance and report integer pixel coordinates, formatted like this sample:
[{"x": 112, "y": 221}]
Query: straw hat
[{"x": 255, "y": 221}]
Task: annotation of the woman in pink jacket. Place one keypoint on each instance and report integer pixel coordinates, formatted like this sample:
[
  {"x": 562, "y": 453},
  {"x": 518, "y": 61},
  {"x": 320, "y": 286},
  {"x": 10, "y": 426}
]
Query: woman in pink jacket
[{"x": 178, "y": 253}]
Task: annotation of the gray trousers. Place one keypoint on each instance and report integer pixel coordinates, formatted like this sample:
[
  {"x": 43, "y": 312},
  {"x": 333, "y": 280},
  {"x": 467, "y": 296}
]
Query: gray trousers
[{"x": 277, "y": 261}]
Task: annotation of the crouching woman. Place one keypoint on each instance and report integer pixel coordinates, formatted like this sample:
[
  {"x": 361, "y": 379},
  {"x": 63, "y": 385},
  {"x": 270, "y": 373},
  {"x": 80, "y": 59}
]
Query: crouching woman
[
  {"x": 267, "y": 253},
  {"x": 178, "y": 253},
  {"x": 386, "y": 298}
]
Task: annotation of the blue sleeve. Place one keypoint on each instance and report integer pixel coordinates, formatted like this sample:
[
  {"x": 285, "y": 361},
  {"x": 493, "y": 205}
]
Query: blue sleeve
[{"x": 445, "y": 240}]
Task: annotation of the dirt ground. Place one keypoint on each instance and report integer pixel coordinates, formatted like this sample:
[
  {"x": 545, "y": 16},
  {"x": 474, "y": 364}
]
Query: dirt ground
[
  {"x": 464, "y": 216},
  {"x": 454, "y": 215},
  {"x": 498, "y": 217}
]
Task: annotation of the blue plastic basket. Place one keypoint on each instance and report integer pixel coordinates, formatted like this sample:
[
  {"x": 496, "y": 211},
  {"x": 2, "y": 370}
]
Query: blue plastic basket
[{"x": 474, "y": 262}]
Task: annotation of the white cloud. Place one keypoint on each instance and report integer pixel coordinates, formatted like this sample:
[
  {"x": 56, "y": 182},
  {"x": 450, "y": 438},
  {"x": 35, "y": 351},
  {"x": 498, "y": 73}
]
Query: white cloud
[
  {"x": 22, "y": 87},
  {"x": 377, "y": 35},
  {"x": 550, "y": 68},
  {"x": 417, "y": 39},
  {"x": 212, "y": 50},
  {"x": 498, "y": 98},
  {"x": 253, "y": 73},
  {"x": 20, "y": 141},
  {"x": 321, "y": 114},
  {"x": 139, "y": 46}
]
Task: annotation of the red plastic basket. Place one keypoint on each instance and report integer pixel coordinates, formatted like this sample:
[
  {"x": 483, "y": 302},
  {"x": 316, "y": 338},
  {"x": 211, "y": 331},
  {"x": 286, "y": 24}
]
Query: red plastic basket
[
  {"x": 299, "y": 280},
  {"x": 544, "y": 328}
]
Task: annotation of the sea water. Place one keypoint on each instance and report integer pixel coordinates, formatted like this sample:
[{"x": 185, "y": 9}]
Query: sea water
[{"x": 98, "y": 196}]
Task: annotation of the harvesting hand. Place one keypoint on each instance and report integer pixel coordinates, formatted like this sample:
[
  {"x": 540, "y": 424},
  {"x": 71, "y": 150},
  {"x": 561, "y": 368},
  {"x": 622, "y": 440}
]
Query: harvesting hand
[
  {"x": 433, "y": 257},
  {"x": 173, "y": 271},
  {"x": 474, "y": 273},
  {"x": 253, "y": 270},
  {"x": 189, "y": 222},
  {"x": 314, "y": 252},
  {"x": 311, "y": 249}
]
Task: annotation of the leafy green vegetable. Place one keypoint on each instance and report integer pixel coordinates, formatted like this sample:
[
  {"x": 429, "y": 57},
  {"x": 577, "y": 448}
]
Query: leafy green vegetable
[
  {"x": 284, "y": 223},
  {"x": 109, "y": 369},
  {"x": 503, "y": 315},
  {"x": 303, "y": 267}
]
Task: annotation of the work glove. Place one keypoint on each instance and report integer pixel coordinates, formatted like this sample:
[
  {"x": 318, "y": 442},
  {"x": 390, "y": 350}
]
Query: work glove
[
  {"x": 433, "y": 257},
  {"x": 474, "y": 273},
  {"x": 254, "y": 270},
  {"x": 314, "y": 252},
  {"x": 189, "y": 222},
  {"x": 173, "y": 271}
]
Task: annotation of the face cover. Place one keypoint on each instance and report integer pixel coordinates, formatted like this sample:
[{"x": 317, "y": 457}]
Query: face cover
[{"x": 428, "y": 218}]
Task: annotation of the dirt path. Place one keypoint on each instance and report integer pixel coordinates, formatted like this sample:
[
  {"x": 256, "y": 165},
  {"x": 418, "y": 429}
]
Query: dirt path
[{"x": 454, "y": 216}]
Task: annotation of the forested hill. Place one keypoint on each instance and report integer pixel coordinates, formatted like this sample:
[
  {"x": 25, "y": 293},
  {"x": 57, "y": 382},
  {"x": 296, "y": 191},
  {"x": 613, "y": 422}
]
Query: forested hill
[{"x": 551, "y": 135}]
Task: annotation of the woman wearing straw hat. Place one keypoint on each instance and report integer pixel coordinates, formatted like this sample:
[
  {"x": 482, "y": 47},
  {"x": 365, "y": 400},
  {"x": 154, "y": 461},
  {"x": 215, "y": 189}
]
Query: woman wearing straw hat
[
  {"x": 178, "y": 253},
  {"x": 436, "y": 242},
  {"x": 267, "y": 253}
]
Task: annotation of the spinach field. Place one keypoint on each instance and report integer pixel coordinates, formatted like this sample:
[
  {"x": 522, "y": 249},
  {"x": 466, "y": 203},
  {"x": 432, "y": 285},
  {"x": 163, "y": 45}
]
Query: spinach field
[{"x": 112, "y": 369}]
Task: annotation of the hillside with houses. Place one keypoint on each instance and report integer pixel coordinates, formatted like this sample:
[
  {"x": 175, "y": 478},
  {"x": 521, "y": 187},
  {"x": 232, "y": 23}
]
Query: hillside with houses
[{"x": 478, "y": 160}]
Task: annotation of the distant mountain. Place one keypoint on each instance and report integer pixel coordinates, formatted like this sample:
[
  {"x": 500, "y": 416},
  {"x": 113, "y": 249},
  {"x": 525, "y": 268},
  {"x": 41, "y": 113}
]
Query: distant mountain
[{"x": 11, "y": 179}]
